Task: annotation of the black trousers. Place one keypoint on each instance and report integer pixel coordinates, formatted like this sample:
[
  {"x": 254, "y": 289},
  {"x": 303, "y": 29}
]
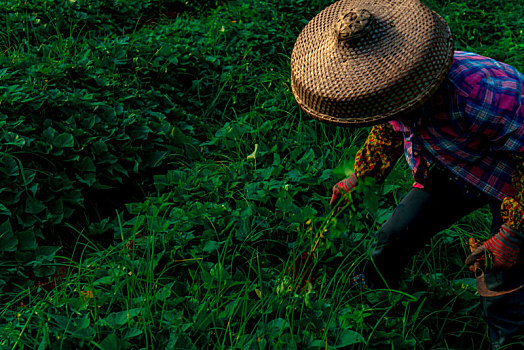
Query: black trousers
[{"x": 425, "y": 212}]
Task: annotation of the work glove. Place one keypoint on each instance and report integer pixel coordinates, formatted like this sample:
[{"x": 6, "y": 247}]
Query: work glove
[
  {"x": 504, "y": 248},
  {"x": 341, "y": 190}
]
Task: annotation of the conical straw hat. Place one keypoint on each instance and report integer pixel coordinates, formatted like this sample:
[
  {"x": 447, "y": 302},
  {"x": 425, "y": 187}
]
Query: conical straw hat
[{"x": 362, "y": 62}]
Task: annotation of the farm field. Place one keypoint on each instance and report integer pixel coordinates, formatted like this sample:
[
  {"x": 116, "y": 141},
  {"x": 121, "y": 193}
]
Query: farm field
[{"x": 160, "y": 187}]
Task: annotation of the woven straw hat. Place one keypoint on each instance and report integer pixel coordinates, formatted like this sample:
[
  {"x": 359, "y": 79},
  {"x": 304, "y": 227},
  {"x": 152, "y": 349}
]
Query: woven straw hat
[{"x": 362, "y": 62}]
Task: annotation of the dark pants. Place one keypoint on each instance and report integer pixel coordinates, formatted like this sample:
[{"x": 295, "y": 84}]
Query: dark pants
[{"x": 423, "y": 213}]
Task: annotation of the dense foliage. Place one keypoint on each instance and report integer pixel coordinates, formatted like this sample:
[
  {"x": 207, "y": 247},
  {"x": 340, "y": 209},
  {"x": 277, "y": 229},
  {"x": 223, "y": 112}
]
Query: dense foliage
[{"x": 158, "y": 181}]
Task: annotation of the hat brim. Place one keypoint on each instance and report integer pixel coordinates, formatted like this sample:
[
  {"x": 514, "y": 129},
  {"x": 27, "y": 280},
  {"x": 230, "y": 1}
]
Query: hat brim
[{"x": 393, "y": 70}]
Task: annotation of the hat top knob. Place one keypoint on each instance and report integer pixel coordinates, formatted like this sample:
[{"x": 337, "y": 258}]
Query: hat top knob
[{"x": 353, "y": 24}]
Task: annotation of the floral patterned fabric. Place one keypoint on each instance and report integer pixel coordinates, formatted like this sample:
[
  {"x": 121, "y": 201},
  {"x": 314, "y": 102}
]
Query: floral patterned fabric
[
  {"x": 512, "y": 209},
  {"x": 380, "y": 152}
]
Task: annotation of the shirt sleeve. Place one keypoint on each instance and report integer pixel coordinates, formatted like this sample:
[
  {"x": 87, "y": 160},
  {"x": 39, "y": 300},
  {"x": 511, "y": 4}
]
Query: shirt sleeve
[
  {"x": 379, "y": 153},
  {"x": 512, "y": 209}
]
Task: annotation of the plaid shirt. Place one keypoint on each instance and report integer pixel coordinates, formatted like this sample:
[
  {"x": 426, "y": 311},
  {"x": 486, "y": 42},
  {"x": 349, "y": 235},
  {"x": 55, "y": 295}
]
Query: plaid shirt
[{"x": 472, "y": 125}]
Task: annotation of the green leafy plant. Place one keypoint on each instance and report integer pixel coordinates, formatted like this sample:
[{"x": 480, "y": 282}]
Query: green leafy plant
[{"x": 158, "y": 184}]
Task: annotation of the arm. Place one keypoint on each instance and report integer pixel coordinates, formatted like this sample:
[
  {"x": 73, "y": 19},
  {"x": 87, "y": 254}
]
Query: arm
[
  {"x": 380, "y": 152},
  {"x": 505, "y": 245},
  {"x": 375, "y": 159},
  {"x": 512, "y": 209}
]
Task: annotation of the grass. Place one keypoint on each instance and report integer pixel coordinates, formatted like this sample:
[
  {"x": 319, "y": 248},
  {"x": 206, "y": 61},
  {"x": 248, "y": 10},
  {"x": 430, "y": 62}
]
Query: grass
[{"x": 177, "y": 182}]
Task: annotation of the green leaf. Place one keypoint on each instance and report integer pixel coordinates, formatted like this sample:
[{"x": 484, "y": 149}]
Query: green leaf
[
  {"x": 466, "y": 283},
  {"x": 64, "y": 140},
  {"x": 118, "y": 319},
  {"x": 44, "y": 270},
  {"x": 86, "y": 164},
  {"x": 179, "y": 137},
  {"x": 26, "y": 240},
  {"x": 287, "y": 342},
  {"x": 277, "y": 326},
  {"x": 295, "y": 175},
  {"x": 110, "y": 342},
  {"x": 33, "y": 206},
  {"x": 192, "y": 151},
  {"x": 8, "y": 239},
  {"x": 11, "y": 166},
  {"x": 218, "y": 271},
  {"x": 211, "y": 247},
  {"x": 49, "y": 134},
  {"x": 285, "y": 203},
  {"x": 349, "y": 337},
  {"x": 46, "y": 253},
  {"x": 132, "y": 332},
  {"x": 254, "y": 192},
  {"x": 29, "y": 176},
  {"x": 107, "y": 280},
  {"x": 4, "y": 210},
  {"x": 303, "y": 214}
]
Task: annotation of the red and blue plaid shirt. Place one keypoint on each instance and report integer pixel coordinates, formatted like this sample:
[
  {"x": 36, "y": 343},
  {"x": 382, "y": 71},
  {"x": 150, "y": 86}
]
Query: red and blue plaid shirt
[{"x": 471, "y": 126}]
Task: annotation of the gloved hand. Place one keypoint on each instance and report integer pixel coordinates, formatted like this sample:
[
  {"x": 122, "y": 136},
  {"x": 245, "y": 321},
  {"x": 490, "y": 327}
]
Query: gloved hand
[
  {"x": 340, "y": 191},
  {"x": 504, "y": 246}
]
